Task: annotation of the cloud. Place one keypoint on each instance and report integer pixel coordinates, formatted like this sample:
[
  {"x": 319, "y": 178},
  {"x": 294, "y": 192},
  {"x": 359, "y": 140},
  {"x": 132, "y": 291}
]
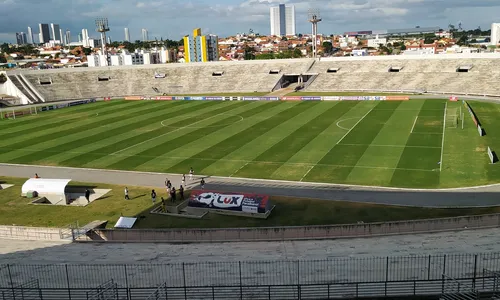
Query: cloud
[{"x": 173, "y": 19}]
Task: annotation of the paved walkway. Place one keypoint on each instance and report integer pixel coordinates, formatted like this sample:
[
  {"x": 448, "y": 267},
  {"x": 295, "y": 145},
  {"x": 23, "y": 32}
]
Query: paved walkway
[{"x": 460, "y": 197}]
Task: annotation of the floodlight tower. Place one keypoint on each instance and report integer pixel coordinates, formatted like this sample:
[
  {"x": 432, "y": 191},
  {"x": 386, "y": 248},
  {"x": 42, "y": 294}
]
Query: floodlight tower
[
  {"x": 102, "y": 27},
  {"x": 314, "y": 19}
]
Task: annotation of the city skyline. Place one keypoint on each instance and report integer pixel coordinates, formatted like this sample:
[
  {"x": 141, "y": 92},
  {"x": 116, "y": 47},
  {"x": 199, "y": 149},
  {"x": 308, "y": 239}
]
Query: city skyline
[{"x": 230, "y": 17}]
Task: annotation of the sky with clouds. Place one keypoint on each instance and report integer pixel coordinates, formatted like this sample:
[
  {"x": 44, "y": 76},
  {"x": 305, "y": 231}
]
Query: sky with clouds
[{"x": 173, "y": 18}]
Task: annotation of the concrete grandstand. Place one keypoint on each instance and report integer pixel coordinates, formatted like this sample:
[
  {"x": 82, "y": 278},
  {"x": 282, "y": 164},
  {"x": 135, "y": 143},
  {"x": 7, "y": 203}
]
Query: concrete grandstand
[{"x": 474, "y": 74}]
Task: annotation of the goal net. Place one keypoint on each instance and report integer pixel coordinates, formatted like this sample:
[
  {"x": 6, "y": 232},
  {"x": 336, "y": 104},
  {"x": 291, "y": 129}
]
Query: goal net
[
  {"x": 16, "y": 112},
  {"x": 452, "y": 118}
]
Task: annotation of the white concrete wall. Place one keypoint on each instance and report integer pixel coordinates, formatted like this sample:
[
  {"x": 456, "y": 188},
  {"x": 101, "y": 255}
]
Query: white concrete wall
[{"x": 8, "y": 88}]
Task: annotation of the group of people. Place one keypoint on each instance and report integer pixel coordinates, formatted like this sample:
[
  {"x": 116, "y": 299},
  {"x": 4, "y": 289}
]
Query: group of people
[{"x": 171, "y": 190}]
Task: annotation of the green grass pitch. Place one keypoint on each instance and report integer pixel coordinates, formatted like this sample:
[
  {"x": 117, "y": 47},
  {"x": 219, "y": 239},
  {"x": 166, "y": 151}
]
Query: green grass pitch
[{"x": 385, "y": 143}]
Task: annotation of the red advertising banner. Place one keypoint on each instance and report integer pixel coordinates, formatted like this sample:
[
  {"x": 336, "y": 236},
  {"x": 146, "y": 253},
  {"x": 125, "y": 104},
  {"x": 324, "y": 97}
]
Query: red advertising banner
[
  {"x": 397, "y": 98},
  {"x": 243, "y": 202},
  {"x": 133, "y": 98},
  {"x": 291, "y": 98},
  {"x": 453, "y": 98},
  {"x": 107, "y": 98}
]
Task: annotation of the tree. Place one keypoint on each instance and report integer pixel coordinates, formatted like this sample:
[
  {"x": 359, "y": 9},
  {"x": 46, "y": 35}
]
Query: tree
[
  {"x": 429, "y": 40},
  {"x": 297, "y": 53},
  {"x": 249, "y": 53},
  {"x": 403, "y": 47},
  {"x": 328, "y": 47},
  {"x": 284, "y": 38},
  {"x": 3, "y": 60},
  {"x": 3, "y": 78},
  {"x": 87, "y": 51}
]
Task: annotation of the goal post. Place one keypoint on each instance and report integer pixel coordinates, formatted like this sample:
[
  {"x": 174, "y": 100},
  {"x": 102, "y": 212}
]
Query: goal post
[{"x": 16, "y": 112}]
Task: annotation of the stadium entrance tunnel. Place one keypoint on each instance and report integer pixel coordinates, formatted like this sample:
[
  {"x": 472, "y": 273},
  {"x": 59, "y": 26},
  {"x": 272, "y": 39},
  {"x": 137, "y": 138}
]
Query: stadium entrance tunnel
[{"x": 298, "y": 79}]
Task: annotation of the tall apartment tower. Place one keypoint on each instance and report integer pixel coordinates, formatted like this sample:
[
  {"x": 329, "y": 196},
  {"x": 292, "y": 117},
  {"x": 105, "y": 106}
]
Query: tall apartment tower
[
  {"x": 68, "y": 37},
  {"x": 127, "y": 35},
  {"x": 495, "y": 34},
  {"x": 62, "y": 40},
  {"x": 30, "y": 36},
  {"x": 145, "y": 36},
  {"x": 85, "y": 38},
  {"x": 56, "y": 32},
  {"x": 282, "y": 20},
  {"x": 44, "y": 35},
  {"x": 201, "y": 48},
  {"x": 21, "y": 38}
]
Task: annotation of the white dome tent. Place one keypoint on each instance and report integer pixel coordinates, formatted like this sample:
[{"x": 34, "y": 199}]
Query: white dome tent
[{"x": 52, "y": 189}]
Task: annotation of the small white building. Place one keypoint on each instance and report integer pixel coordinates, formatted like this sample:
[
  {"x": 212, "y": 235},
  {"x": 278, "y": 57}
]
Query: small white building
[
  {"x": 375, "y": 43},
  {"x": 359, "y": 52}
]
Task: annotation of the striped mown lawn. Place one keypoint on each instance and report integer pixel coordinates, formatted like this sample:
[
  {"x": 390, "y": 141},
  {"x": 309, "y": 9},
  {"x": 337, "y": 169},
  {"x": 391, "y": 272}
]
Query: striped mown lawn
[{"x": 413, "y": 143}]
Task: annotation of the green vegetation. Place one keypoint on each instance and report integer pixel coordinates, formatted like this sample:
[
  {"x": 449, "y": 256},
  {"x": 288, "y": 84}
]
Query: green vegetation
[
  {"x": 386, "y": 143},
  {"x": 3, "y": 78},
  {"x": 288, "y": 212}
]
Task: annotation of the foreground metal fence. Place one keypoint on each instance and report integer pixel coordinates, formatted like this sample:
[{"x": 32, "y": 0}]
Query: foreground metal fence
[{"x": 240, "y": 279}]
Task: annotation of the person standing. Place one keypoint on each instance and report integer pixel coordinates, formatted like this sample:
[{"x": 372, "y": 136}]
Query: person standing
[
  {"x": 126, "y": 194},
  {"x": 153, "y": 196},
  {"x": 183, "y": 179},
  {"x": 181, "y": 192},
  {"x": 36, "y": 175},
  {"x": 87, "y": 195},
  {"x": 202, "y": 183},
  {"x": 173, "y": 194},
  {"x": 163, "y": 205},
  {"x": 191, "y": 173}
]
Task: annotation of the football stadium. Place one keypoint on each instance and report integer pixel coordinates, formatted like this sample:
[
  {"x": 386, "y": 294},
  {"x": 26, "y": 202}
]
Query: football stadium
[{"x": 393, "y": 136}]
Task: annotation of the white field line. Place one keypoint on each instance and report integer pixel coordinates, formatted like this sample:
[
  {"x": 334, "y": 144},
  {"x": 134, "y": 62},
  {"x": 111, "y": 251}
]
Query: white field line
[
  {"x": 438, "y": 133},
  {"x": 159, "y": 136},
  {"x": 239, "y": 169},
  {"x": 338, "y": 123},
  {"x": 413, "y": 127},
  {"x": 392, "y": 146},
  {"x": 221, "y": 159},
  {"x": 355, "y": 125},
  {"x": 442, "y": 139},
  {"x": 319, "y": 184},
  {"x": 307, "y": 172}
]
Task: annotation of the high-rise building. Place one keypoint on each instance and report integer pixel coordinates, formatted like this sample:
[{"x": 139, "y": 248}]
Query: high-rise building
[
  {"x": 68, "y": 37},
  {"x": 80, "y": 39},
  {"x": 30, "y": 36},
  {"x": 127, "y": 35},
  {"x": 282, "y": 20},
  {"x": 495, "y": 34},
  {"x": 21, "y": 38},
  {"x": 145, "y": 36},
  {"x": 200, "y": 48},
  {"x": 44, "y": 34},
  {"x": 62, "y": 39},
  {"x": 85, "y": 38},
  {"x": 56, "y": 32},
  {"x": 108, "y": 40}
]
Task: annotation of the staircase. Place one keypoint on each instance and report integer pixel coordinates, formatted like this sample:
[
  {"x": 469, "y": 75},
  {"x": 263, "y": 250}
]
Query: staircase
[
  {"x": 15, "y": 80},
  {"x": 30, "y": 87}
]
